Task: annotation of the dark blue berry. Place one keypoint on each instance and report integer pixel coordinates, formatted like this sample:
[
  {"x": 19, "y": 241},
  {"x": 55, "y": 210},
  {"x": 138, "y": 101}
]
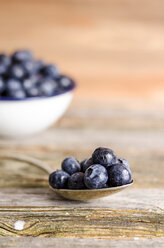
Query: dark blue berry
[
  {"x": 5, "y": 60},
  {"x": 85, "y": 164},
  {"x": 36, "y": 78},
  {"x": 118, "y": 175},
  {"x": 17, "y": 71},
  {"x": 13, "y": 84},
  {"x": 22, "y": 55},
  {"x": 71, "y": 165},
  {"x": 124, "y": 163},
  {"x": 76, "y": 181},
  {"x": 2, "y": 85},
  {"x": 29, "y": 67},
  {"x": 50, "y": 71},
  {"x": 28, "y": 83},
  {"x": 38, "y": 65},
  {"x": 48, "y": 86},
  {"x": 3, "y": 69},
  {"x": 106, "y": 186},
  {"x": 33, "y": 92},
  {"x": 17, "y": 94},
  {"x": 58, "y": 179},
  {"x": 65, "y": 82},
  {"x": 96, "y": 177},
  {"x": 104, "y": 156}
]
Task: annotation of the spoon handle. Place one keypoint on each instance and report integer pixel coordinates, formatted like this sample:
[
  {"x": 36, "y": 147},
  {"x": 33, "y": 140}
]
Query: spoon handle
[{"x": 32, "y": 161}]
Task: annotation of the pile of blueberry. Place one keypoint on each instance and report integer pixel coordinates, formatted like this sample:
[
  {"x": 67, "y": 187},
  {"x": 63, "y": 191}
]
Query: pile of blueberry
[
  {"x": 102, "y": 170},
  {"x": 22, "y": 76}
]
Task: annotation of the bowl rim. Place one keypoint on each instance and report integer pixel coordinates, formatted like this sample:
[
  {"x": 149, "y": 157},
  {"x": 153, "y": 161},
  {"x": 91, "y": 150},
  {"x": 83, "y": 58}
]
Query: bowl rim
[{"x": 10, "y": 99}]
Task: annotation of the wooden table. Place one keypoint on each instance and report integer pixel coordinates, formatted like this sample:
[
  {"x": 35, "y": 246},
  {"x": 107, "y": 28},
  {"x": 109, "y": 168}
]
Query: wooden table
[
  {"x": 134, "y": 217},
  {"x": 114, "y": 49}
]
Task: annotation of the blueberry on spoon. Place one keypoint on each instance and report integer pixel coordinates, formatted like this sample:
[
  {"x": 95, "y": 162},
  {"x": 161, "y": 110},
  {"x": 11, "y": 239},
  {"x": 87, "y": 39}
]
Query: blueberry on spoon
[
  {"x": 76, "y": 181},
  {"x": 85, "y": 164},
  {"x": 104, "y": 156},
  {"x": 118, "y": 175},
  {"x": 96, "y": 177},
  {"x": 58, "y": 179},
  {"x": 71, "y": 165}
]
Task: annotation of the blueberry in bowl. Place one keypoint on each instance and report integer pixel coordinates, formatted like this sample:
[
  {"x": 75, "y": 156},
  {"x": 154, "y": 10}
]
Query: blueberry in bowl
[
  {"x": 89, "y": 180},
  {"x": 33, "y": 94}
]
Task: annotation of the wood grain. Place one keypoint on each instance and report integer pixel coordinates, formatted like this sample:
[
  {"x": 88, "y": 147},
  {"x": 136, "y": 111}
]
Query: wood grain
[
  {"x": 133, "y": 199},
  {"x": 113, "y": 217},
  {"x": 114, "y": 49},
  {"x": 71, "y": 242},
  {"x": 82, "y": 223}
]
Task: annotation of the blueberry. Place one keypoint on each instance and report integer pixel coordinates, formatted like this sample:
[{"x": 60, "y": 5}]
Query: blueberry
[
  {"x": 28, "y": 83},
  {"x": 2, "y": 85},
  {"x": 22, "y": 55},
  {"x": 36, "y": 78},
  {"x": 124, "y": 163},
  {"x": 38, "y": 64},
  {"x": 17, "y": 94},
  {"x": 96, "y": 177},
  {"x": 29, "y": 67},
  {"x": 5, "y": 60},
  {"x": 58, "y": 179},
  {"x": 33, "y": 91},
  {"x": 3, "y": 69},
  {"x": 65, "y": 82},
  {"x": 48, "y": 86},
  {"x": 71, "y": 165},
  {"x": 106, "y": 186},
  {"x": 118, "y": 175},
  {"x": 50, "y": 71},
  {"x": 17, "y": 71},
  {"x": 104, "y": 156},
  {"x": 13, "y": 84},
  {"x": 85, "y": 164},
  {"x": 76, "y": 181}
]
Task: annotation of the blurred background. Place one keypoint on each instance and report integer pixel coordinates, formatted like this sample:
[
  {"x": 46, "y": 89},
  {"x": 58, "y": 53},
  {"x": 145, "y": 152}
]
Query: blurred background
[{"x": 113, "y": 49}]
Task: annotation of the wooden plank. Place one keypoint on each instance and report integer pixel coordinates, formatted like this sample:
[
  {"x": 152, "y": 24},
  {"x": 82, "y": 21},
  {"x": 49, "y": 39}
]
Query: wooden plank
[
  {"x": 121, "y": 216},
  {"x": 131, "y": 198},
  {"x": 82, "y": 223},
  {"x": 119, "y": 67},
  {"x": 29, "y": 242},
  {"x": 41, "y": 206}
]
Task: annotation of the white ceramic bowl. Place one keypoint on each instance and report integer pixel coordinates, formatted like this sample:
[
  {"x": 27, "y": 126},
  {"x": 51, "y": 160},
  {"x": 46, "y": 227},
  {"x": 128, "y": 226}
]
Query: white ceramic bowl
[{"x": 31, "y": 115}]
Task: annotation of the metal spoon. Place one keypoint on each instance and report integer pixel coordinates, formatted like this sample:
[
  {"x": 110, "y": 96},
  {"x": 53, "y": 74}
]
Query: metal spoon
[{"x": 78, "y": 195}]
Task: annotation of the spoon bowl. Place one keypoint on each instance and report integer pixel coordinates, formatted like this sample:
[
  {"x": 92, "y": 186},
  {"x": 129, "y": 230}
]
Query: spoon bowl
[{"x": 88, "y": 194}]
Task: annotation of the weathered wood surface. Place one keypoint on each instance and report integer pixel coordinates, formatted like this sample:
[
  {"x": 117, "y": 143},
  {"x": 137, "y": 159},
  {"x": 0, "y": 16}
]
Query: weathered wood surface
[
  {"x": 133, "y": 198},
  {"x": 135, "y": 213},
  {"x": 82, "y": 223},
  {"x": 69, "y": 243},
  {"x": 115, "y": 50}
]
